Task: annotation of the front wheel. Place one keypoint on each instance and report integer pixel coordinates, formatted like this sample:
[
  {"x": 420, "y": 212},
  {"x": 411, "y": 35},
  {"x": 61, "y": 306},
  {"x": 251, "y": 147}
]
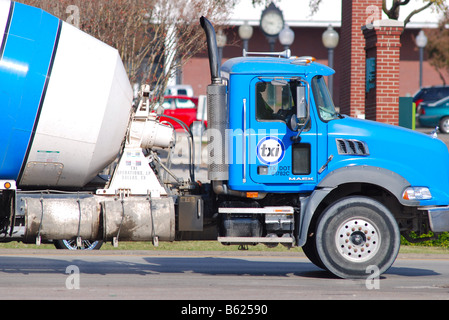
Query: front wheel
[{"x": 356, "y": 234}]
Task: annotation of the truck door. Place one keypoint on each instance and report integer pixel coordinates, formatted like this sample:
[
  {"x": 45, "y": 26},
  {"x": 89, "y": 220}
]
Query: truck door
[{"x": 282, "y": 137}]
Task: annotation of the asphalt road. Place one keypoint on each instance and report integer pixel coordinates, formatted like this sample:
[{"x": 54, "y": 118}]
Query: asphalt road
[{"x": 170, "y": 275}]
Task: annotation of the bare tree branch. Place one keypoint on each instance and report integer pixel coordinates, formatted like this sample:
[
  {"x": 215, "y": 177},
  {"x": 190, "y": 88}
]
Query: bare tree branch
[
  {"x": 154, "y": 37},
  {"x": 393, "y": 11},
  {"x": 407, "y": 20}
]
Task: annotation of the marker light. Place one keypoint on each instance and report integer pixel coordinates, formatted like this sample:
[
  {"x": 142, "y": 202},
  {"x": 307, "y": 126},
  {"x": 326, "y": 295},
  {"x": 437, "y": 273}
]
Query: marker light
[
  {"x": 305, "y": 60},
  {"x": 252, "y": 194},
  {"x": 7, "y": 185},
  {"x": 416, "y": 193}
]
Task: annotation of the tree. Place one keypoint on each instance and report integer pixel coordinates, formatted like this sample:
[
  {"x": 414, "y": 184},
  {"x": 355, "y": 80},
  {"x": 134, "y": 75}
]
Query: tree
[
  {"x": 392, "y": 12},
  {"x": 155, "y": 38},
  {"x": 437, "y": 48}
]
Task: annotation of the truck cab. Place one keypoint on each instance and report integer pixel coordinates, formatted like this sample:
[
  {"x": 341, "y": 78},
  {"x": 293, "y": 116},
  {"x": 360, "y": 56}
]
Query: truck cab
[{"x": 271, "y": 107}]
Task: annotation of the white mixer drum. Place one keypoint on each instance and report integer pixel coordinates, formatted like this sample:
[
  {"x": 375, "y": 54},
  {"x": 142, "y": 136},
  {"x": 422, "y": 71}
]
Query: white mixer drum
[{"x": 84, "y": 115}]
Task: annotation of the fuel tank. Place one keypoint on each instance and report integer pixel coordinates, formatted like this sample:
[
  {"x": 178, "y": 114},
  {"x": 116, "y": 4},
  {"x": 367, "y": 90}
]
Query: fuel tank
[{"x": 65, "y": 100}]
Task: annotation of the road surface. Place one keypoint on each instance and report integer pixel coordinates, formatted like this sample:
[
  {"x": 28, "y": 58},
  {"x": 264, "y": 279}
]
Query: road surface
[{"x": 172, "y": 275}]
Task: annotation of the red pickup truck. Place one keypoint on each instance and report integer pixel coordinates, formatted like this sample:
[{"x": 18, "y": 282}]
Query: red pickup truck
[{"x": 183, "y": 108}]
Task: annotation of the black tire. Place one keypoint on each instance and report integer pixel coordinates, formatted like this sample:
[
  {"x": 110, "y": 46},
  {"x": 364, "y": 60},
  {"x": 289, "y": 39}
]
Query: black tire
[
  {"x": 71, "y": 245},
  {"x": 309, "y": 250},
  {"x": 443, "y": 125},
  {"x": 355, "y": 233}
]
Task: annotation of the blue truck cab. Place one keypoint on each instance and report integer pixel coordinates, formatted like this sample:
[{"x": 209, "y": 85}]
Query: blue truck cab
[
  {"x": 263, "y": 98},
  {"x": 297, "y": 172}
]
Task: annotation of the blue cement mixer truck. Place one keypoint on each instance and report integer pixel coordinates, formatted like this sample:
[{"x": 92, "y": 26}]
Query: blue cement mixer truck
[{"x": 284, "y": 167}]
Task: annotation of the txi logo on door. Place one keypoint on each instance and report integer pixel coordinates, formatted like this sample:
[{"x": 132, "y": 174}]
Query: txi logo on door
[{"x": 270, "y": 150}]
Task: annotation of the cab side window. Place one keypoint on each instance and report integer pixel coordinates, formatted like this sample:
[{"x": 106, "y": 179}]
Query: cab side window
[{"x": 274, "y": 101}]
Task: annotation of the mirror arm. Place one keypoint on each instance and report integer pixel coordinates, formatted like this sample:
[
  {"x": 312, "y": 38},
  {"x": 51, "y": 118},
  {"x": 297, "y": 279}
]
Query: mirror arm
[{"x": 298, "y": 138}]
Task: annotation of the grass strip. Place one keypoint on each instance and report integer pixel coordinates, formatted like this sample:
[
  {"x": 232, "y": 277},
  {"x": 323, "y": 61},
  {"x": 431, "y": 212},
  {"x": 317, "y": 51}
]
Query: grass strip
[{"x": 207, "y": 246}]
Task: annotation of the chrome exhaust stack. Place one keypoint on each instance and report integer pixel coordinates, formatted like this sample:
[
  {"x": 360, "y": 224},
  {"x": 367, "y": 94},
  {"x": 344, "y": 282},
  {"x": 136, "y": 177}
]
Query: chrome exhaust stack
[
  {"x": 212, "y": 50},
  {"x": 217, "y": 119}
]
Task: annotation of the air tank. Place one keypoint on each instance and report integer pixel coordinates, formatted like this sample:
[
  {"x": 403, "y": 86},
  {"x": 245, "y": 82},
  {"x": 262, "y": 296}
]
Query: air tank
[{"x": 65, "y": 100}]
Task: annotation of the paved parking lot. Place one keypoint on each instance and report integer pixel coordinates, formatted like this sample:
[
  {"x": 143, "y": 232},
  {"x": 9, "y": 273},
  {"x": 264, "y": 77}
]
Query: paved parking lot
[{"x": 442, "y": 136}]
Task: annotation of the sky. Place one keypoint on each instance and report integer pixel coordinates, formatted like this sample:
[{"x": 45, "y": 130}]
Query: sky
[{"x": 298, "y": 13}]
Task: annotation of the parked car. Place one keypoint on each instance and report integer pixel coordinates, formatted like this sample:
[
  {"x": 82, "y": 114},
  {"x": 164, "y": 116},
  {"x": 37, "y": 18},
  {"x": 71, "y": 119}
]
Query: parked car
[
  {"x": 430, "y": 94},
  {"x": 183, "y": 108},
  {"x": 435, "y": 114}
]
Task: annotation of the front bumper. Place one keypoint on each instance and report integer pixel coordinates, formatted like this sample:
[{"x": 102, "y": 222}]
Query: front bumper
[{"x": 439, "y": 218}]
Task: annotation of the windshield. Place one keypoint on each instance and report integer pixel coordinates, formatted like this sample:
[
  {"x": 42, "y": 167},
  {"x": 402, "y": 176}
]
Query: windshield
[{"x": 323, "y": 101}]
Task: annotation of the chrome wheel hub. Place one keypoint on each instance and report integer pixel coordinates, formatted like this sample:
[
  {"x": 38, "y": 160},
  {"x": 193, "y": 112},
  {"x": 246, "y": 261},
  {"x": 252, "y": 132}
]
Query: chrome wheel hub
[{"x": 357, "y": 239}]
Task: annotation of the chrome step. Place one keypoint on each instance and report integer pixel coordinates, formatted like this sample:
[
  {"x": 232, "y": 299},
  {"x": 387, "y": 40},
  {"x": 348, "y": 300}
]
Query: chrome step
[{"x": 246, "y": 240}]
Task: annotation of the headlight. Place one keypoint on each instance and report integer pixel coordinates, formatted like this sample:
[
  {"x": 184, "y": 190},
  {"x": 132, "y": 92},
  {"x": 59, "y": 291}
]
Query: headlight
[{"x": 416, "y": 193}]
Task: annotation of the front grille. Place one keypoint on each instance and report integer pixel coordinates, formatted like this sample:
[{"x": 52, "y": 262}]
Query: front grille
[{"x": 352, "y": 147}]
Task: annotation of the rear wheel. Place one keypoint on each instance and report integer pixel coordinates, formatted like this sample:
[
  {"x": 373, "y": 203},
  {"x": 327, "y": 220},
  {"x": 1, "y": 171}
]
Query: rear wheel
[
  {"x": 354, "y": 234},
  {"x": 71, "y": 245}
]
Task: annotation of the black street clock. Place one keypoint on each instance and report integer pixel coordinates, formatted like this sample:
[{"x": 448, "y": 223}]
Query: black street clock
[{"x": 271, "y": 21}]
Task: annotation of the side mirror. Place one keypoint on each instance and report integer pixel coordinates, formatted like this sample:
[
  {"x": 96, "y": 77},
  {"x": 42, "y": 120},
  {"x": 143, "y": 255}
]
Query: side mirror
[
  {"x": 298, "y": 121},
  {"x": 292, "y": 123}
]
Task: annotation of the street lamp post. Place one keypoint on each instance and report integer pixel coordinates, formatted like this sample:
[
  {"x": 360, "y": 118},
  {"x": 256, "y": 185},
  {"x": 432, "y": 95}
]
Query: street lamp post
[
  {"x": 286, "y": 37},
  {"x": 245, "y": 33},
  {"x": 330, "y": 41},
  {"x": 421, "y": 42}
]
